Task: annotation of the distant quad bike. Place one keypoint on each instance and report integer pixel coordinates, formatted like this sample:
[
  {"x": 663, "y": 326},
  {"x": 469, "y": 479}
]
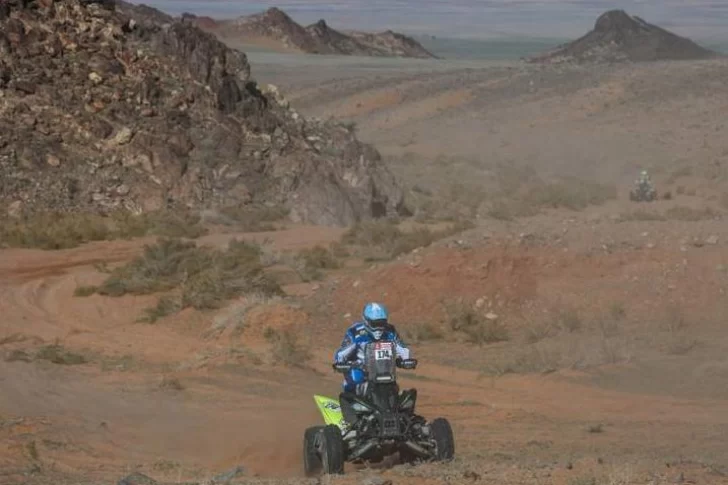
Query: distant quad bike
[
  {"x": 385, "y": 421},
  {"x": 643, "y": 193}
]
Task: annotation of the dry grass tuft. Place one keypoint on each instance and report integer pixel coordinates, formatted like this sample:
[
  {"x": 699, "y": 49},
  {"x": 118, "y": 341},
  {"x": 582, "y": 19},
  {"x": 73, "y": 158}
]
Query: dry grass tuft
[
  {"x": 171, "y": 383},
  {"x": 249, "y": 218},
  {"x": 464, "y": 319},
  {"x": 47, "y": 230},
  {"x": 309, "y": 263},
  {"x": 688, "y": 214},
  {"x": 286, "y": 348},
  {"x": 422, "y": 332},
  {"x": 57, "y": 354},
  {"x": 384, "y": 240},
  {"x": 573, "y": 194}
]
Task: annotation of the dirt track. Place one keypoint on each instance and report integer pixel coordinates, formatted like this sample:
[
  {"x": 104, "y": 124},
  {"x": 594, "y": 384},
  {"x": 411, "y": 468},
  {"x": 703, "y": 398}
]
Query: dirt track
[
  {"x": 619, "y": 401},
  {"x": 109, "y": 416}
]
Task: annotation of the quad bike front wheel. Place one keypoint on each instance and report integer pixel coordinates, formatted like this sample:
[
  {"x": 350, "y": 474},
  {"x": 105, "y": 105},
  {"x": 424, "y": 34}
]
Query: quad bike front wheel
[
  {"x": 311, "y": 460},
  {"x": 332, "y": 450},
  {"x": 441, "y": 432}
]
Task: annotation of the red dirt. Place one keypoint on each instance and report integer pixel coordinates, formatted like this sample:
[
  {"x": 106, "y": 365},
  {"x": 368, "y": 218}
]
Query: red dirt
[{"x": 236, "y": 407}]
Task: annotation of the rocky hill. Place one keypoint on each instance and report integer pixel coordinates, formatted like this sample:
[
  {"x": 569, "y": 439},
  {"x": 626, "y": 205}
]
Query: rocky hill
[
  {"x": 618, "y": 36},
  {"x": 105, "y": 106},
  {"x": 274, "y": 27}
]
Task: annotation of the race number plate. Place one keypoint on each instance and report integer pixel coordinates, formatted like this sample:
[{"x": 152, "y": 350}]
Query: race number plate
[{"x": 383, "y": 351}]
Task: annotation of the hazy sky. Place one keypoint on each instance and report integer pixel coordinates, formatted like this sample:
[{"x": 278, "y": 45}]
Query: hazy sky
[{"x": 700, "y": 19}]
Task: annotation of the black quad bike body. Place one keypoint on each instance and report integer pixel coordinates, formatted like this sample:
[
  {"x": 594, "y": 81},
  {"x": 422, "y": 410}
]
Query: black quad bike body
[
  {"x": 380, "y": 420},
  {"x": 643, "y": 192}
]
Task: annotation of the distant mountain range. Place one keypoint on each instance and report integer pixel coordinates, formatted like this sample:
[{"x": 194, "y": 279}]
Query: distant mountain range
[{"x": 275, "y": 29}]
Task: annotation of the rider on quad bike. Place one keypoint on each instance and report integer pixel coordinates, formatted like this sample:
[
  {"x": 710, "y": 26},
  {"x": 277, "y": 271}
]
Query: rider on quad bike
[
  {"x": 375, "y": 326},
  {"x": 643, "y": 190},
  {"x": 373, "y": 418}
]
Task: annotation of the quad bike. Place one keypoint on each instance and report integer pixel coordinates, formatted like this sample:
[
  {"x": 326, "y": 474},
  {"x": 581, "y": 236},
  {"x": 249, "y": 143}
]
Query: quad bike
[
  {"x": 643, "y": 193},
  {"x": 385, "y": 422}
]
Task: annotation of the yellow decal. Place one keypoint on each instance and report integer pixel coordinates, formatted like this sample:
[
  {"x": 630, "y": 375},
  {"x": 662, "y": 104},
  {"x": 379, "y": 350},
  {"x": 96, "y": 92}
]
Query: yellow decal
[{"x": 330, "y": 409}]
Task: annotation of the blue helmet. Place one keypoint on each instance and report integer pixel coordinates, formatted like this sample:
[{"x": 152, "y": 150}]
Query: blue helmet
[
  {"x": 375, "y": 318},
  {"x": 375, "y": 311}
]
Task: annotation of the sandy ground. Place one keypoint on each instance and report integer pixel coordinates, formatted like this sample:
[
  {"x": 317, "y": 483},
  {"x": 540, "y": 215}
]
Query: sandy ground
[{"x": 633, "y": 394}]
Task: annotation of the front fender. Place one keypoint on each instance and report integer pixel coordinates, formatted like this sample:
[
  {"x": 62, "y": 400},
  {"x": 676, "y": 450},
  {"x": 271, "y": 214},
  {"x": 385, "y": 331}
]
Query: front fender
[{"x": 330, "y": 410}]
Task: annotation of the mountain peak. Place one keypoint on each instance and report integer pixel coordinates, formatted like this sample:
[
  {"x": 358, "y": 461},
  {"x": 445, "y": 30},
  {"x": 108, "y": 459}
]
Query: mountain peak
[
  {"x": 618, "y": 37},
  {"x": 618, "y": 20}
]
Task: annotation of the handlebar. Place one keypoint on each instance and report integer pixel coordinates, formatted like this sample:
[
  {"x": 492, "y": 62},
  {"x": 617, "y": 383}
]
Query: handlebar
[
  {"x": 408, "y": 364},
  {"x": 343, "y": 367}
]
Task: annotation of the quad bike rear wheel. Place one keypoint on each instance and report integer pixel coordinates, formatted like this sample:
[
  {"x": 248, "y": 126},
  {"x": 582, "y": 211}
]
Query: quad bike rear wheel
[
  {"x": 444, "y": 441},
  {"x": 332, "y": 450},
  {"x": 311, "y": 460}
]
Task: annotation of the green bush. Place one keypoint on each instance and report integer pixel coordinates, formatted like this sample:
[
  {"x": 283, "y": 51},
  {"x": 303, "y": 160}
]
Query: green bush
[{"x": 204, "y": 277}]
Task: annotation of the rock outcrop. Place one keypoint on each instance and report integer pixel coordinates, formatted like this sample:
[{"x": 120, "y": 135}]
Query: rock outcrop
[
  {"x": 275, "y": 27},
  {"x": 619, "y": 37},
  {"x": 105, "y": 106}
]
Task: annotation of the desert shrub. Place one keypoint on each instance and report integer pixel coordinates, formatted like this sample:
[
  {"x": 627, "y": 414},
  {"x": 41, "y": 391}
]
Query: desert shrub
[
  {"x": 251, "y": 218},
  {"x": 501, "y": 210},
  {"x": 205, "y": 277},
  {"x": 463, "y": 318},
  {"x": 527, "y": 199},
  {"x": 18, "y": 355},
  {"x": 161, "y": 267},
  {"x": 640, "y": 215},
  {"x": 171, "y": 383},
  {"x": 450, "y": 202},
  {"x": 529, "y": 360},
  {"x": 285, "y": 347},
  {"x": 422, "y": 332},
  {"x": 53, "y": 230},
  {"x": 468, "y": 197},
  {"x": 681, "y": 345},
  {"x": 168, "y": 224},
  {"x": 85, "y": 291},
  {"x": 385, "y": 240},
  {"x": 617, "y": 311},
  {"x": 166, "y": 305},
  {"x": 375, "y": 233},
  {"x": 570, "y": 194},
  {"x": 584, "y": 481},
  {"x": 569, "y": 321},
  {"x": 537, "y": 332},
  {"x": 310, "y": 262},
  {"x": 507, "y": 209},
  {"x": 564, "y": 320},
  {"x": 688, "y": 214},
  {"x": 57, "y": 354}
]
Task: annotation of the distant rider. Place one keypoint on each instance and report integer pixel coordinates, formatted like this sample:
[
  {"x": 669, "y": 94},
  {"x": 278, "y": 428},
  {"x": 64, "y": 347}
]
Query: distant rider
[
  {"x": 374, "y": 326},
  {"x": 644, "y": 180}
]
